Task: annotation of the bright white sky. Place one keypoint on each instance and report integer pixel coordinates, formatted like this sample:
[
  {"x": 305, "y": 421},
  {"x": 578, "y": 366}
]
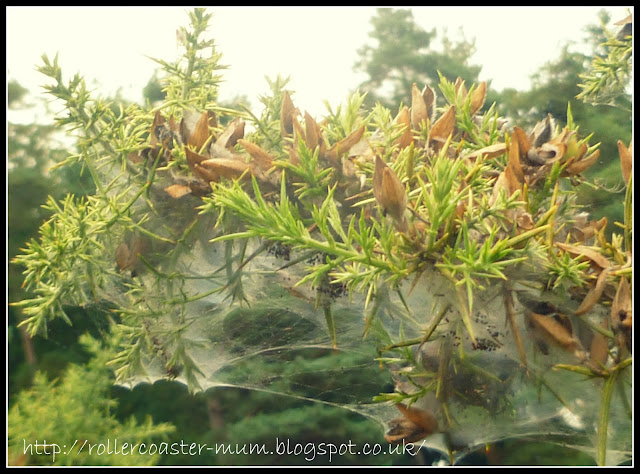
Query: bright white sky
[{"x": 316, "y": 46}]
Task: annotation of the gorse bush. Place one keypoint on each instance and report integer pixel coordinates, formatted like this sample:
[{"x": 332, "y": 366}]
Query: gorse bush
[{"x": 435, "y": 240}]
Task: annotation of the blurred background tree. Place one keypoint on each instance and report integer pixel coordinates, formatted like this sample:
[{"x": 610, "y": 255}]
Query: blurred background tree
[{"x": 404, "y": 53}]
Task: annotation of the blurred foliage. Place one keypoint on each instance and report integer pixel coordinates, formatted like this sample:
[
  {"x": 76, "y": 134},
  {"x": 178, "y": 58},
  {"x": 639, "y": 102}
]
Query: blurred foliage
[
  {"x": 403, "y": 53},
  {"x": 75, "y": 413},
  {"x": 555, "y": 84}
]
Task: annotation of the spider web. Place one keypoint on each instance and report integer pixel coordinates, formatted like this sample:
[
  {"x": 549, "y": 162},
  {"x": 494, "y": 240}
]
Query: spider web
[{"x": 244, "y": 323}]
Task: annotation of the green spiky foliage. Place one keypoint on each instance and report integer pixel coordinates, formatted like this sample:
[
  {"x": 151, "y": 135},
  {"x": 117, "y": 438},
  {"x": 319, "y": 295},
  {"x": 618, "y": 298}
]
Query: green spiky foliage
[{"x": 424, "y": 227}]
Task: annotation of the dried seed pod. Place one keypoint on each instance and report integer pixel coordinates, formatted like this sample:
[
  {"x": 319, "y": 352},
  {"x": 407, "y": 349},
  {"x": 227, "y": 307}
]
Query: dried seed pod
[
  {"x": 594, "y": 256},
  {"x": 344, "y": 145},
  {"x": 286, "y": 115},
  {"x": 200, "y": 133},
  {"x": 594, "y": 294},
  {"x": 443, "y": 127},
  {"x": 524, "y": 145},
  {"x": 541, "y": 133},
  {"x": 404, "y": 119},
  {"x": 622, "y": 316},
  {"x": 176, "y": 191},
  {"x": 555, "y": 332},
  {"x": 599, "y": 349},
  {"x": 514, "y": 161},
  {"x": 231, "y": 134},
  {"x": 259, "y": 158},
  {"x": 460, "y": 88},
  {"x": 127, "y": 252},
  {"x": 205, "y": 174},
  {"x": 193, "y": 157},
  {"x": 158, "y": 123},
  {"x": 313, "y": 133},
  {"x": 429, "y": 96},
  {"x": 414, "y": 425},
  {"x": 389, "y": 192},
  {"x": 477, "y": 98},
  {"x": 626, "y": 160},
  {"x": 582, "y": 165},
  {"x": 491, "y": 151},
  {"x": 419, "y": 112},
  {"x": 225, "y": 168}
]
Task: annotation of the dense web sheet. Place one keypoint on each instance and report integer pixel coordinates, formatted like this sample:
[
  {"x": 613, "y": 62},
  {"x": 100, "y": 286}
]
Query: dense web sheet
[{"x": 244, "y": 323}]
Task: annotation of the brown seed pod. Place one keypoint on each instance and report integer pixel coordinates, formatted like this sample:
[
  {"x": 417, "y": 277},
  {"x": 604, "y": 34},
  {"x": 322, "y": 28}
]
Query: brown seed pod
[
  {"x": 286, "y": 115},
  {"x": 389, "y": 191},
  {"x": 477, "y": 98},
  {"x": 176, "y": 191},
  {"x": 414, "y": 425},
  {"x": 594, "y": 256},
  {"x": 626, "y": 160},
  {"x": 404, "y": 120},
  {"x": 443, "y": 127},
  {"x": 419, "y": 113},
  {"x": 200, "y": 134},
  {"x": 231, "y": 134},
  {"x": 555, "y": 332}
]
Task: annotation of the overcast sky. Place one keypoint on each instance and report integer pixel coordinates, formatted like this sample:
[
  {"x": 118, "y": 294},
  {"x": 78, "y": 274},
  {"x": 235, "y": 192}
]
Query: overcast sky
[{"x": 316, "y": 46}]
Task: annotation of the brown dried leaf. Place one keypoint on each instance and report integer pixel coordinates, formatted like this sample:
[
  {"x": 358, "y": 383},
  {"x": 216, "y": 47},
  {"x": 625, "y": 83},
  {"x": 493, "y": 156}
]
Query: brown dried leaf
[
  {"x": 589, "y": 253},
  {"x": 176, "y": 191},
  {"x": 443, "y": 127},
  {"x": 626, "y": 160},
  {"x": 418, "y": 107},
  {"x": 477, "y": 98},
  {"x": 594, "y": 294}
]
